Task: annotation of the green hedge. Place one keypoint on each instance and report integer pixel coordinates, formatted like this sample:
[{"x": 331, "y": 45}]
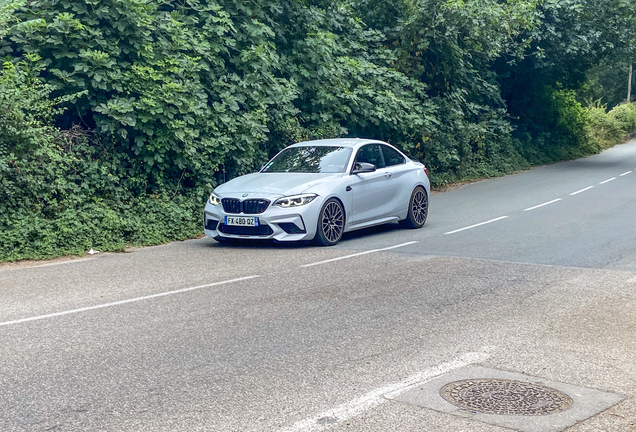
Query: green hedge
[
  {"x": 62, "y": 194},
  {"x": 117, "y": 117},
  {"x": 65, "y": 197},
  {"x": 611, "y": 128}
]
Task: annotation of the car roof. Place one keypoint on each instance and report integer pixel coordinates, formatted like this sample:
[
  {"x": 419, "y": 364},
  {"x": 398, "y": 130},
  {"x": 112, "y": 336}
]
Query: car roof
[{"x": 340, "y": 142}]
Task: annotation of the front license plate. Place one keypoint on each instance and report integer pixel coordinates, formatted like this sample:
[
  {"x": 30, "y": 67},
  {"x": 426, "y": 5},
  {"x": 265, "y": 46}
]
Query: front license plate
[{"x": 241, "y": 221}]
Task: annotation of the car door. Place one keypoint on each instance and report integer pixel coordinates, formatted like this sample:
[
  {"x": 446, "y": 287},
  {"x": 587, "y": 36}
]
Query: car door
[
  {"x": 371, "y": 192},
  {"x": 396, "y": 172}
]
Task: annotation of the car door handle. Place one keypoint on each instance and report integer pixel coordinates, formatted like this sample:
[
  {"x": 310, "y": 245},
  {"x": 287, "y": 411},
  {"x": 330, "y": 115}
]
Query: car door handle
[{"x": 388, "y": 174}]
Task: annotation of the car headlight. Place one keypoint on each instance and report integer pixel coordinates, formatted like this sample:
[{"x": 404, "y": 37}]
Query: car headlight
[
  {"x": 214, "y": 199},
  {"x": 295, "y": 201}
]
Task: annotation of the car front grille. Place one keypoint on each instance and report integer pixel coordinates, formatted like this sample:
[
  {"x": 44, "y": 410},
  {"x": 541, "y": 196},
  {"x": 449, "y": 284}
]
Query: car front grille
[
  {"x": 250, "y": 206},
  {"x": 255, "y": 206},
  {"x": 261, "y": 230},
  {"x": 231, "y": 205}
]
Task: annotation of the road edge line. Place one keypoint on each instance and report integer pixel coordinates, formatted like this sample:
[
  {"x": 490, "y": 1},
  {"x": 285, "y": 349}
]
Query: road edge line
[
  {"x": 376, "y": 397},
  {"x": 544, "y": 204},
  {"x": 121, "y": 302},
  {"x": 358, "y": 254},
  {"x": 476, "y": 225}
]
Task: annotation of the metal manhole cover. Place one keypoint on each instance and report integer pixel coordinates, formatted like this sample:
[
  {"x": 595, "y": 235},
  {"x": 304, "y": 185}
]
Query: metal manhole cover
[{"x": 505, "y": 397}]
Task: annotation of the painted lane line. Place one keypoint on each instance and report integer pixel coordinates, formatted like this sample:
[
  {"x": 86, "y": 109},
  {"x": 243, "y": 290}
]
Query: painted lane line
[
  {"x": 625, "y": 173},
  {"x": 608, "y": 180},
  {"x": 476, "y": 225},
  {"x": 582, "y": 190},
  {"x": 357, "y": 254},
  {"x": 121, "y": 302},
  {"x": 381, "y": 395},
  {"x": 544, "y": 204}
]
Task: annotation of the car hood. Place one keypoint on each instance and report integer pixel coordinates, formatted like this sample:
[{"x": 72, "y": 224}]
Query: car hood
[{"x": 274, "y": 184}]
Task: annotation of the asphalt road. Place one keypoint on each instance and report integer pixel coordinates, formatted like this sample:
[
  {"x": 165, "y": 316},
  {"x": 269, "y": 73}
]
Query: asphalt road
[{"x": 533, "y": 273}]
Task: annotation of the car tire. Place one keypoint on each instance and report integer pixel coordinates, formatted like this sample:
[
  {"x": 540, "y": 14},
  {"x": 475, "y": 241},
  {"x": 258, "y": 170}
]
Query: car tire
[
  {"x": 331, "y": 223},
  {"x": 418, "y": 209}
]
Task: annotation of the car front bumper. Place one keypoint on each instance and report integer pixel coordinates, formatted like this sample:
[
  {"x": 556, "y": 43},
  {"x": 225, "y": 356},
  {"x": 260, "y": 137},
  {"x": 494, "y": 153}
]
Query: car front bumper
[{"x": 275, "y": 223}]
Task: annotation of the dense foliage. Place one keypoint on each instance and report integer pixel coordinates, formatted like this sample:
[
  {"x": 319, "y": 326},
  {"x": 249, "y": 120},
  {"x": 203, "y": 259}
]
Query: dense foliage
[
  {"x": 117, "y": 117},
  {"x": 63, "y": 192}
]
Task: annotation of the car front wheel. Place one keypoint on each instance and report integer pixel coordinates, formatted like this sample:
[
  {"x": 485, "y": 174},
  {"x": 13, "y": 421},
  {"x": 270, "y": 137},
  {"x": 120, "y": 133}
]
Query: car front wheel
[
  {"x": 331, "y": 222},
  {"x": 418, "y": 209}
]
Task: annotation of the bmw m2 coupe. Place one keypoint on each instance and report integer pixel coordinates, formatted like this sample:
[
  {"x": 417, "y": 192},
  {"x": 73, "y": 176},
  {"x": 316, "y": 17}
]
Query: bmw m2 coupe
[{"x": 318, "y": 190}]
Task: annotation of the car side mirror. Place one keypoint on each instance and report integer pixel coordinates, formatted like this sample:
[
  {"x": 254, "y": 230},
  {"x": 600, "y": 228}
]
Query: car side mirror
[{"x": 363, "y": 167}]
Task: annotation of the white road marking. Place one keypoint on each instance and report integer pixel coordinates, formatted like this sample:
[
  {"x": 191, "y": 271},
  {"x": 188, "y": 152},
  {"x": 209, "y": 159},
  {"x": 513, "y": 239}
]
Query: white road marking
[
  {"x": 544, "y": 204},
  {"x": 625, "y": 173},
  {"x": 120, "y": 302},
  {"x": 608, "y": 180},
  {"x": 582, "y": 190},
  {"x": 380, "y": 395},
  {"x": 357, "y": 254},
  {"x": 476, "y": 225}
]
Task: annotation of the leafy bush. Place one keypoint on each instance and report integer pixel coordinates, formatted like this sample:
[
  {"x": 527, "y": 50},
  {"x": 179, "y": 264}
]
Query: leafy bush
[
  {"x": 625, "y": 117},
  {"x": 604, "y": 129},
  {"x": 66, "y": 197},
  {"x": 180, "y": 88},
  {"x": 25, "y": 110},
  {"x": 557, "y": 127},
  {"x": 61, "y": 195},
  {"x": 610, "y": 128}
]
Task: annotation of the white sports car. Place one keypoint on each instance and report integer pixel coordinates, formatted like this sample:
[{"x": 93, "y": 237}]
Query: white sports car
[{"x": 318, "y": 190}]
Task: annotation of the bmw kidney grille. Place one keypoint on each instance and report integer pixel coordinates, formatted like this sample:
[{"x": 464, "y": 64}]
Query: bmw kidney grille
[{"x": 250, "y": 206}]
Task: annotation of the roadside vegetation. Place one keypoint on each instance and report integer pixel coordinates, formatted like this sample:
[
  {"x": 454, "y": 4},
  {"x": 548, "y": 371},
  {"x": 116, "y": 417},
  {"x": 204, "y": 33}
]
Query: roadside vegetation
[{"x": 118, "y": 117}]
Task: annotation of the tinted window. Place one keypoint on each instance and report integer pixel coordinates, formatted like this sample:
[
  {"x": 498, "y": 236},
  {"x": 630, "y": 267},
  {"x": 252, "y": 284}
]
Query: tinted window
[
  {"x": 391, "y": 156},
  {"x": 318, "y": 159},
  {"x": 371, "y": 153}
]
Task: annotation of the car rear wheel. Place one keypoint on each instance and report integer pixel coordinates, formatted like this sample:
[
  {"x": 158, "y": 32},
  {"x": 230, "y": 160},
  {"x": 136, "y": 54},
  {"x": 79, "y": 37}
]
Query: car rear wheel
[
  {"x": 418, "y": 209},
  {"x": 331, "y": 223}
]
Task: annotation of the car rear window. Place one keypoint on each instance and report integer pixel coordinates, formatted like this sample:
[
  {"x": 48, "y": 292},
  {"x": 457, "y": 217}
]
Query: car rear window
[{"x": 392, "y": 156}]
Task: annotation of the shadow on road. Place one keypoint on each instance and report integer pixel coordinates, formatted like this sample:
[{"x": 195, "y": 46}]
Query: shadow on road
[{"x": 270, "y": 244}]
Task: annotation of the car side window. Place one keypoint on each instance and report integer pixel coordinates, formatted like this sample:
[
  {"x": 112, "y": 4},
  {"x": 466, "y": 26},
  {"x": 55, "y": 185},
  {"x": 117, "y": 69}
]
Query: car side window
[
  {"x": 392, "y": 157},
  {"x": 371, "y": 153}
]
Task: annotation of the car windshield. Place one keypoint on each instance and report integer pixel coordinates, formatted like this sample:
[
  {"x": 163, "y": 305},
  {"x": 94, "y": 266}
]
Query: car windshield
[{"x": 318, "y": 159}]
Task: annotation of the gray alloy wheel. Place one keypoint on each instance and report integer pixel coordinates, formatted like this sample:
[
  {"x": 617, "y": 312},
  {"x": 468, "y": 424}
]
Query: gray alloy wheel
[
  {"x": 331, "y": 223},
  {"x": 418, "y": 209}
]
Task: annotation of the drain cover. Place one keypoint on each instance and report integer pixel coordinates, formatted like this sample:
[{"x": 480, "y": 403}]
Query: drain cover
[{"x": 505, "y": 397}]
